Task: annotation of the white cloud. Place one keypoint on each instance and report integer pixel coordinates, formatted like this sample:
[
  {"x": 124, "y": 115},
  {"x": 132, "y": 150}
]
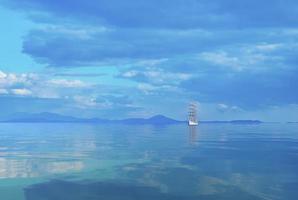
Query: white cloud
[
  {"x": 17, "y": 84},
  {"x": 130, "y": 74},
  {"x": 2, "y": 75},
  {"x": 3, "y": 91},
  {"x": 245, "y": 57},
  {"x": 66, "y": 83},
  {"x": 11, "y": 79},
  {"x": 146, "y": 88},
  {"x": 222, "y": 58},
  {"x": 37, "y": 85},
  {"x": 152, "y": 62},
  {"x": 22, "y": 92},
  {"x": 269, "y": 47},
  {"x": 83, "y": 33},
  {"x": 227, "y": 108},
  {"x": 150, "y": 89},
  {"x": 156, "y": 76},
  {"x": 85, "y": 101}
]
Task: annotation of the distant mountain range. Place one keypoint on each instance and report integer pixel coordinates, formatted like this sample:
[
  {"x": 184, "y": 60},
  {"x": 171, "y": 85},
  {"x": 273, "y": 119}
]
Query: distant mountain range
[{"x": 57, "y": 118}]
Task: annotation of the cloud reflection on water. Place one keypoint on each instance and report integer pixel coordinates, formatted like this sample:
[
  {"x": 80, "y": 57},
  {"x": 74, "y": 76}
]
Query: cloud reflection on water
[{"x": 20, "y": 168}]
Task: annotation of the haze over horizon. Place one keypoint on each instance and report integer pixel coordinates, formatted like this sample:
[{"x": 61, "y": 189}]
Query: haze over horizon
[{"x": 138, "y": 58}]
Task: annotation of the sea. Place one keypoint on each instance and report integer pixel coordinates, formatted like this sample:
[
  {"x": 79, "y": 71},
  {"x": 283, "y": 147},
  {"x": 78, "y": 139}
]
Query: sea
[{"x": 73, "y": 161}]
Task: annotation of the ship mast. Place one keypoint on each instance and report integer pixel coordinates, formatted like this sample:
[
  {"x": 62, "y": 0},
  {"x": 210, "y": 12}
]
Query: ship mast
[{"x": 192, "y": 115}]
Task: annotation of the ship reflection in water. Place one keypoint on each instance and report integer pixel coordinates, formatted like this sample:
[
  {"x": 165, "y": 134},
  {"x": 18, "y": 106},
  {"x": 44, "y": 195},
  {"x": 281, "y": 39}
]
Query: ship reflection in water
[{"x": 193, "y": 135}]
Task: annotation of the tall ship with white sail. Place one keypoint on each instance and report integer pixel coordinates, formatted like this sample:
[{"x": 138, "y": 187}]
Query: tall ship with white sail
[{"x": 192, "y": 115}]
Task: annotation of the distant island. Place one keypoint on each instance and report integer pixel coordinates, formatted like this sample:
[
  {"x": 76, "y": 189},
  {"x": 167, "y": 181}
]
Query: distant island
[
  {"x": 235, "y": 122},
  {"x": 47, "y": 117}
]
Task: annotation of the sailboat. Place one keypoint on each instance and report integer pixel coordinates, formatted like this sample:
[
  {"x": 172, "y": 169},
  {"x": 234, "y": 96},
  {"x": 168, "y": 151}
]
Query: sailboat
[{"x": 192, "y": 115}]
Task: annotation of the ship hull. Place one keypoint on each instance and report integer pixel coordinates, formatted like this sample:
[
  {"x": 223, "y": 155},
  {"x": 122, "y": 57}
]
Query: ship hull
[{"x": 190, "y": 123}]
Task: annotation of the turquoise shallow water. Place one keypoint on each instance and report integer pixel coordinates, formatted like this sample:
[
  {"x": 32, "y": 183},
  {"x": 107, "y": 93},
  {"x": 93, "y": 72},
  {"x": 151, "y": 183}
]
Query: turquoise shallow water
[{"x": 113, "y": 162}]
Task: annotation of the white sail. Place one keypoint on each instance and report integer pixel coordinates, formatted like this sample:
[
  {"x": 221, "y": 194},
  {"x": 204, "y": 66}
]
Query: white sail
[{"x": 192, "y": 115}]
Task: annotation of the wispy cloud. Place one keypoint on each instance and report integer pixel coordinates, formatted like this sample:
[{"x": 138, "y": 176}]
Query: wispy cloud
[
  {"x": 73, "y": 74},
  {"x": 22, "y": 92}
]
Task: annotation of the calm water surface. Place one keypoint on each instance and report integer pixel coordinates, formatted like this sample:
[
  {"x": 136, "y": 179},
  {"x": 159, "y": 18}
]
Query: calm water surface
[{"x": 113, "y": 162}]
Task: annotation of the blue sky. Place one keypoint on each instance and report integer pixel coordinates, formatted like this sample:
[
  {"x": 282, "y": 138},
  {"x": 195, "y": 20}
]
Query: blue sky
[{"x": 137, "y": 58}]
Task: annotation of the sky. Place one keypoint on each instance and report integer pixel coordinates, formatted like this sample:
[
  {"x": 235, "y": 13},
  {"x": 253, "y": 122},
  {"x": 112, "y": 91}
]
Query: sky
[{"x": 138, "y": 58}]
